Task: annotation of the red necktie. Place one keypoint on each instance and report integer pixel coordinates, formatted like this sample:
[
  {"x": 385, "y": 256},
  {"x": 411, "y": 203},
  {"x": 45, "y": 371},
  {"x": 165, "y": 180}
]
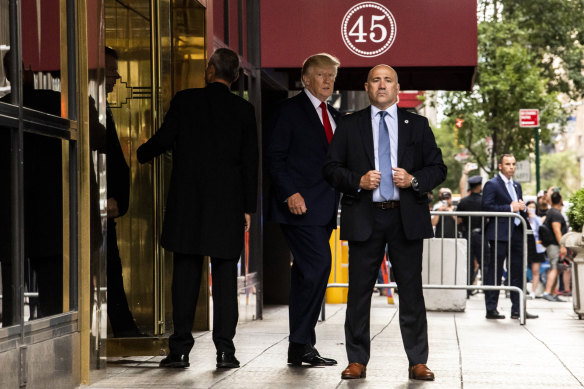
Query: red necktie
[{"x": 328, "y": 129}]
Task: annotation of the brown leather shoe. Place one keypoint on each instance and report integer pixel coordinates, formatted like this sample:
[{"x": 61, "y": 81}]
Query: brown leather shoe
[
  {"x": 354, "y": 370},
  {"x": 421, "y": 372}
]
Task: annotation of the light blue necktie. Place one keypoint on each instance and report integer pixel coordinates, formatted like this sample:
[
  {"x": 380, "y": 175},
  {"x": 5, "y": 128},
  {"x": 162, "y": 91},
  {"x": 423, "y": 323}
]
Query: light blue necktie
[
  {"x": 384, "y": 156},
  {"x": 513, "y": 195}
]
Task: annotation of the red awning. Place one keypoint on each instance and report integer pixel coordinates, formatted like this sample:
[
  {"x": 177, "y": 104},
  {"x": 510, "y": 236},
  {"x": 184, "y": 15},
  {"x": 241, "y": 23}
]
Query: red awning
[
  {"x": 432, "y": 44},
  {"x": 409, "y": 99}
]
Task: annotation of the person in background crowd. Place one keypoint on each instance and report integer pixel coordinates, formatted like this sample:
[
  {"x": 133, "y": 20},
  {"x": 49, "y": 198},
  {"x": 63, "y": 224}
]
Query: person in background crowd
[
  {"x": 536, "y": 251},
  {"x": 445, "y": 226},
  {"x": 502, "y": 194},
  {"x": 556, "y": 222},
  {"x": 542, "y": 204},
  {"x": 477, "y": 244}
]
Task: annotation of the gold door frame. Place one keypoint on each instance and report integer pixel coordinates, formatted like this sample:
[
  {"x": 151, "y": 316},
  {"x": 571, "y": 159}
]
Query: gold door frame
[{"x": 172, "y": 67}]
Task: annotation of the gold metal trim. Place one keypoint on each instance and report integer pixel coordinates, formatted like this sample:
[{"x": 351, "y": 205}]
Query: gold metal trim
[
  {"x": 65, "y": 154},
  {"x": 158, "y": 316},
  {"x": 123, "y": 347},
  {"x": 84, "y": 284}
]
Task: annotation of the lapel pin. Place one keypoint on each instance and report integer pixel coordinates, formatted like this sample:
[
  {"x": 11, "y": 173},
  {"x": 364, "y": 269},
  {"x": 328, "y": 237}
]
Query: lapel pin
[{"x": 406, "y": 121}]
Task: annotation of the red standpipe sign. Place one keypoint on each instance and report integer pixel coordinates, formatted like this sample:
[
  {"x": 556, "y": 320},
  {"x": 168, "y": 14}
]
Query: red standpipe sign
[
  {"x": 368, "y": 29},
  {"x": 529, "y": 118}
]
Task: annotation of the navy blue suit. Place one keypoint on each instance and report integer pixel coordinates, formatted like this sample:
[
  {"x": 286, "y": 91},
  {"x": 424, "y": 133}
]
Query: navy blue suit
[
  {"x": 295, "y": 155},
  {"x": 496, "y": 198}
]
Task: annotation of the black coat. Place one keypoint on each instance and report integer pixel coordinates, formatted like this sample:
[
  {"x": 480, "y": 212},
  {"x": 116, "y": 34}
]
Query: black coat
[
  {"x": 118, "y": 172},
  {"x": 351, "y": 155},
  {"x": 213, "y": 135},
  {"x": 295, "y": 156}
]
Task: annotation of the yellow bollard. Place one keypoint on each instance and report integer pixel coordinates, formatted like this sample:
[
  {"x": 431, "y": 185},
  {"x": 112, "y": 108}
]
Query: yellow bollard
[{"x": 339, "y": 269}]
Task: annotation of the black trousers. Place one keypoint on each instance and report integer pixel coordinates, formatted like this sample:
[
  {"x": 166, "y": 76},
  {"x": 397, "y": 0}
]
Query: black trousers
[
  {"x": 479, "y": 251},
  {"x": 186, "y": 281},
  {"x": 406, "y": 262},
  {"x": 118, "y": 311},
  {"x": 514, "y": 271},
  {"x": 309, "y": 276}
]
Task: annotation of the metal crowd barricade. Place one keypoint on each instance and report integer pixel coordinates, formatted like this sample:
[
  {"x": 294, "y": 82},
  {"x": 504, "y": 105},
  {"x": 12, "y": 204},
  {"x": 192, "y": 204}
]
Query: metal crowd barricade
[{"x": 467, "y": 217}]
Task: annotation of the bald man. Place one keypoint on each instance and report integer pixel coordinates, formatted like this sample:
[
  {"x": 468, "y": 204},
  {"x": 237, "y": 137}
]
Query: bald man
[{"x": 385, "y": 160}]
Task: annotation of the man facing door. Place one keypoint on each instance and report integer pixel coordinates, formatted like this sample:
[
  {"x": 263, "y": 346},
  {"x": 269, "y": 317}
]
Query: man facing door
[{"x": 213, "y": 190}]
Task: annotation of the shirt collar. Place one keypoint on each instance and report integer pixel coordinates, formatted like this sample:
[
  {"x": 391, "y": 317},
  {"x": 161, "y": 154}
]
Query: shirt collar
[
  {"x": 505, "y": 180},
  {"x": 314, "y": 100},
  {"x": 392, "y": 111}
]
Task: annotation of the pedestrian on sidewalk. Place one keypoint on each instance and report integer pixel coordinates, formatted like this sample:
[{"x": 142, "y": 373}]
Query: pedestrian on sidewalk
[
  {"x": 502, "y": 194},
  {"x": 385, "y": 160},
  {"x": 536, "y": 251},
  {"x": 556, "y": 222},
  {"x": 477, "y": 245}
]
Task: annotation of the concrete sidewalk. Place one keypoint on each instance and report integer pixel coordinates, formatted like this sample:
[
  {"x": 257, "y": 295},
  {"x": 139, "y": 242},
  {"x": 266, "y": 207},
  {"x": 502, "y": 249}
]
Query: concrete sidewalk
[{"x": 466, "y": 351}]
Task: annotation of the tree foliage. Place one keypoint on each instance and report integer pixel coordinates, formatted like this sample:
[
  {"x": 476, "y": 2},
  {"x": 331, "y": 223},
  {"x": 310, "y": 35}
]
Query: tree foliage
[{"x": 528, "y": 53}]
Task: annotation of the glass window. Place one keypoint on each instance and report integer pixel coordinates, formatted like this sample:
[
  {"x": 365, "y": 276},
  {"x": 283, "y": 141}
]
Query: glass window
[
  {"x": 41, "y": 58},
  {"x": 6, "y": 281},
  {"x": 4, "y": 46},
  {"x": 43, "y": 225}
]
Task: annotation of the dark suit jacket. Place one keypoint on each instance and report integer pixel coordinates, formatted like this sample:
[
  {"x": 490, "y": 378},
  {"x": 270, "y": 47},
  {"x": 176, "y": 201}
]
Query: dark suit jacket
[
  {"x": 295, "y": 155},
  {"x": 118, "y": 172},
  {"x": 496, "y": 198},
  {"x": 351, "y": 155},
  {"x": 213, "y": 135}
]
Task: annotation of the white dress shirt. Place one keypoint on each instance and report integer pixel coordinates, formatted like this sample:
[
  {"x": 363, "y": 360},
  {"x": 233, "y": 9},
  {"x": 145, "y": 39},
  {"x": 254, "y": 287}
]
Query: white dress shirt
[
  {"x": 505, "y": 180},
  {"x": 391, "y": 121},
  {"x": 316, "y": 102}
]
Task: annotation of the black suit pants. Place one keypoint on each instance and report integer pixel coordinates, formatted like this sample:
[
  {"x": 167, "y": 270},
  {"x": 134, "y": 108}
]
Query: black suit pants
[
  {"x": 309, "y": 276},
  {"x": 186, "y": 281},
  {"x": 406, "y": 262},
  {"x": 118, "y": 311},
  {"x": 479, "y": 251},
  {"x": 494, "y": 270}
]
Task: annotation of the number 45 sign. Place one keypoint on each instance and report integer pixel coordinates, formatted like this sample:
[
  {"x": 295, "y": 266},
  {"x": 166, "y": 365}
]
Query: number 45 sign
[{"x": 368, "y": 29}]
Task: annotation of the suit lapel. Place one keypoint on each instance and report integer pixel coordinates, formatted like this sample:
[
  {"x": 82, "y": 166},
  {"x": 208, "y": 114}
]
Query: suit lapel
[
  {"x": 504, "y": 187},
  {"x": 367, "y": 135},
  {"x": 313, "y": 117},
  {"x": 403, "y": 136}
]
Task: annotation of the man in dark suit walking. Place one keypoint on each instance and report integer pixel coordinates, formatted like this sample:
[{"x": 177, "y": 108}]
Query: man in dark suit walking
[
  {"x": 213, "y": 190},
  {"x": 302, "y": 202},
  {"x": 502, "y": 194},
  {"x": 385, "y": 160}
]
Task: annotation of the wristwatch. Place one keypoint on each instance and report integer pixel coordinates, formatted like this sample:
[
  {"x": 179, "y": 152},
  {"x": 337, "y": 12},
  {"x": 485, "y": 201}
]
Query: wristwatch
[{"x": 415, "y": 184}]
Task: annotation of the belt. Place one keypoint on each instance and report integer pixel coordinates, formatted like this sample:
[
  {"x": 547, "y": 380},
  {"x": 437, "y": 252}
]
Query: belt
[{"x": 385, "y": 204}]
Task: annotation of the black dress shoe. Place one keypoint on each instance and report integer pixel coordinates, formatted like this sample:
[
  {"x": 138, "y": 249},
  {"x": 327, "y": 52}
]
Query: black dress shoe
[
  {"x": 304, "y": 353},
  {"x": 227, "y": 361},
  {"x": 176, "y": 361},
  {"x": 494, "y": 314},
  {"x": 330, "y": 361},
  {"x": 515, "y": 315}
]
